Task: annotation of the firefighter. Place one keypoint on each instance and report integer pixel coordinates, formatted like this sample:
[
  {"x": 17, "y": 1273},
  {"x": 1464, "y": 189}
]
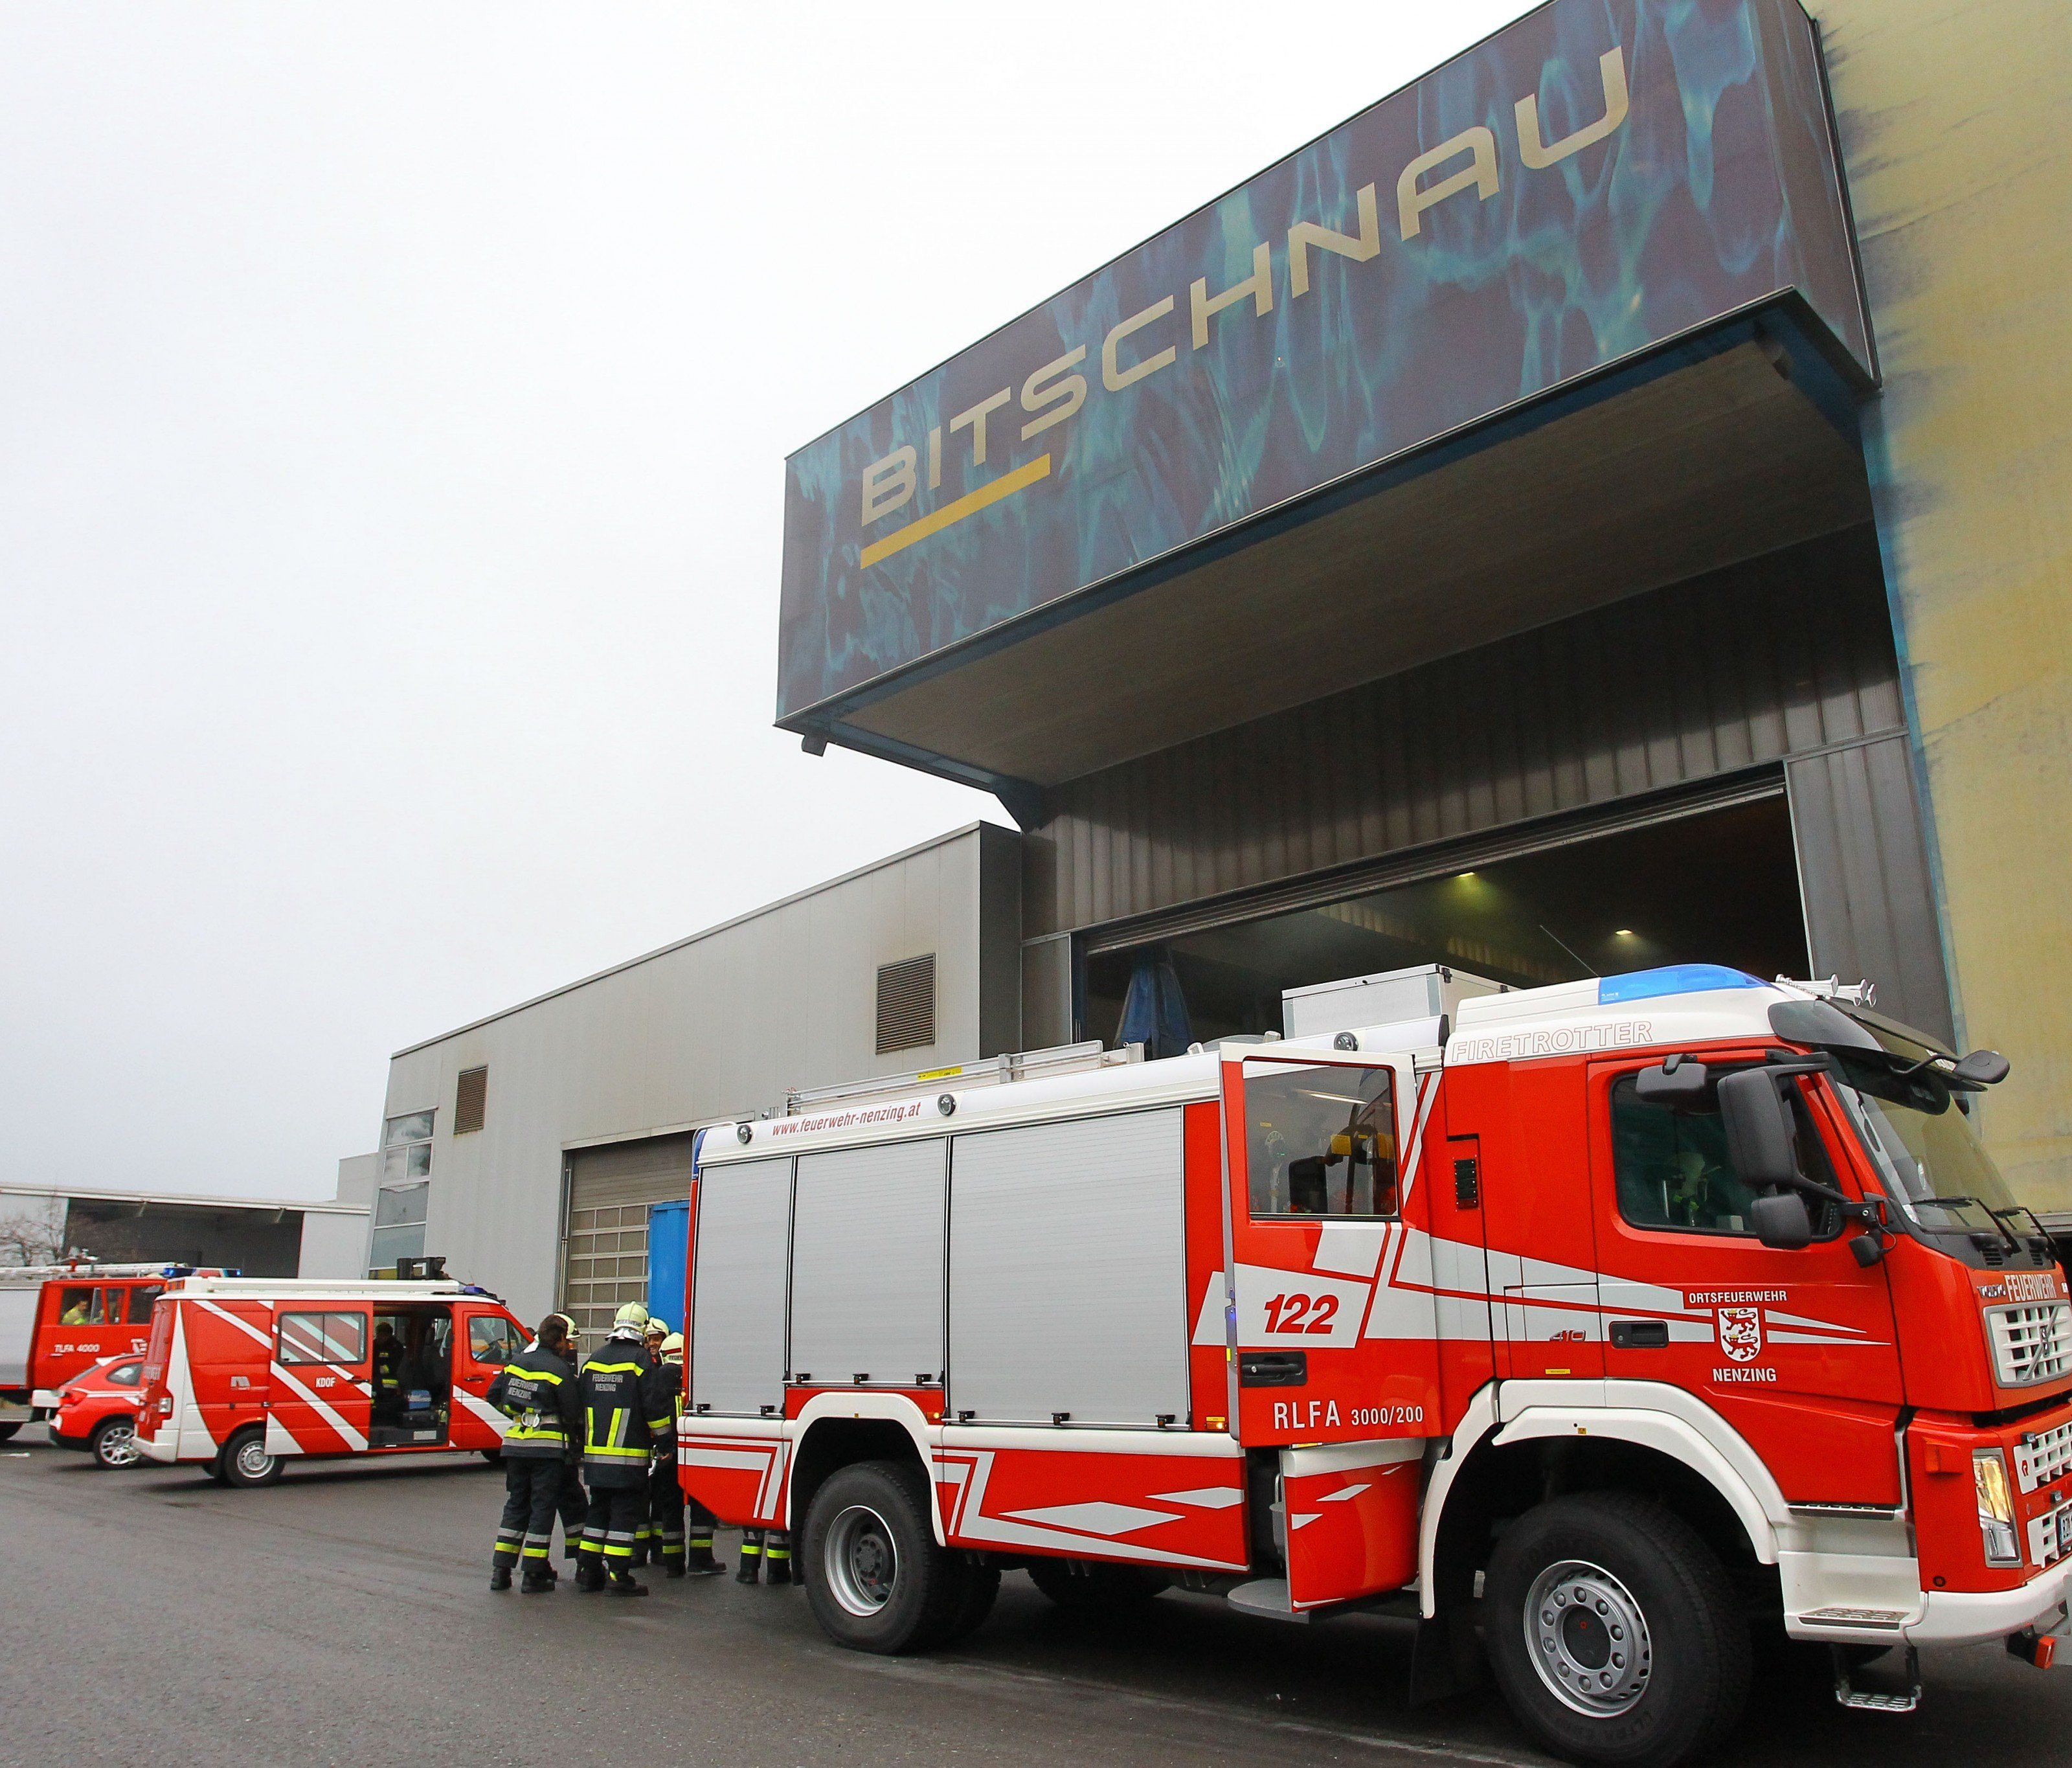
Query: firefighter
[
  {"x": 768, "y": 1550},
  {"x": 672, "y": 1510},
  {"x": 626, "y": 1410},
  {"x": 388, "y": 1373},
  {"x": 536, "y": 1390},
  {"x": 665, "y": 1497},
  {"x": 648, "y": 1537}
]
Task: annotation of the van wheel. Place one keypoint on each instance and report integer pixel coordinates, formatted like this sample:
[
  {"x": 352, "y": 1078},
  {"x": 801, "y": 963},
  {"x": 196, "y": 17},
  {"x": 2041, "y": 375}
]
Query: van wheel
[
  {"x": 1087, "y": 1586},
  {"x": 245, "y": 1460},
  {"x": 114, "y": 1443},
  {"x": 1615, "y": 1632},
  {"x": 875, "y": 1578}
]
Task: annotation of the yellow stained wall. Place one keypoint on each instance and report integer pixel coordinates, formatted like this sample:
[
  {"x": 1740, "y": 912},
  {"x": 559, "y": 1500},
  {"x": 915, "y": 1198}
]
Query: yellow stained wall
[{"x": 1954, "y": 118}]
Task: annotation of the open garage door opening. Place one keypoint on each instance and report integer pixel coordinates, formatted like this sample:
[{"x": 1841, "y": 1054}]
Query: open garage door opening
[{"x": 1717, "y": 886}]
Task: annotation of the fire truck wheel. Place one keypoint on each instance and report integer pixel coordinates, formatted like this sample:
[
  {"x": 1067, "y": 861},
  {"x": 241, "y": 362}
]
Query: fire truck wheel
[
  {"x": 875, "y": 1575},
  {"x": 245, "y": 1460},
  {"x": 1086, "y": 1588},
  {"x": 494, "y": 1457},
  {"x": 114, "y": 1443},
  {"x": 1615, "y": 1632},
  {"x": 8, "y": 1430}
]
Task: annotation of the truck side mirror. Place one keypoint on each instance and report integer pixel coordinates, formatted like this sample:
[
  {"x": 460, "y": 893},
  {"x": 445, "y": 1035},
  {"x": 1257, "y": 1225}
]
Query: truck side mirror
[
  {"x": 1678, "y": 1084},
  {"x": 1759, "y": 1141},
  {"x": 1781, "y": 1221},
  {"x": 1982, "y": 1068}
]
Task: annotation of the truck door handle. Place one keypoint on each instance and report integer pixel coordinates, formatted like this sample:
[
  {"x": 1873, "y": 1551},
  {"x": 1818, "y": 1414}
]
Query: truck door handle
[
  {"x": 1640, "y": 1335},
  {"x": 1274, "y": 1369}
]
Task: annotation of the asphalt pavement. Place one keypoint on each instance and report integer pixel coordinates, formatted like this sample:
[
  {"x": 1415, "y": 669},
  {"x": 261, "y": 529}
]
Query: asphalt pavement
[{"x": 344, "y": 1616}]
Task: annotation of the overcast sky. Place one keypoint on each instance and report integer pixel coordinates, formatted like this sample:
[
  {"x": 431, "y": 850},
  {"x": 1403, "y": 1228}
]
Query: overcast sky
[{"x": 393, "y": 402}]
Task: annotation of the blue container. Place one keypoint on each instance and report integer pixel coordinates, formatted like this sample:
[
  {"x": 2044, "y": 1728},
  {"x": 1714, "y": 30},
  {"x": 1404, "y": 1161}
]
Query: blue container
[{"x": 668, "y": 1241}]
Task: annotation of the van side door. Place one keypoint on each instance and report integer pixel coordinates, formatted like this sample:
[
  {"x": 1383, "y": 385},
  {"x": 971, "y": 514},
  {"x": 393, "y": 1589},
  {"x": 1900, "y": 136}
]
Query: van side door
[{"x": 321, "y": 1389}]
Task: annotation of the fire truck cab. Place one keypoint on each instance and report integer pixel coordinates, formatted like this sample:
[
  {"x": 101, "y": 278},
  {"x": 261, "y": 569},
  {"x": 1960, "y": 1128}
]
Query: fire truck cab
[
  {"x": 241, "y": 1375},
  {"x": 56, "y": 1320},
  {"x": 1599, "y": 1330}
]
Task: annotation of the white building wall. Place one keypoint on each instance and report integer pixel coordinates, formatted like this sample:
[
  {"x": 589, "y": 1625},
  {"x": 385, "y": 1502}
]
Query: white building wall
[{"x": 723, "y": 1023}]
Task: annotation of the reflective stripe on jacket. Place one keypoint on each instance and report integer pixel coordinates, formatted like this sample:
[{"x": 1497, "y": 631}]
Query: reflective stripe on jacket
[
  {"x": 626, "y": 1409},
  {"x": 536, "y": 1390}
]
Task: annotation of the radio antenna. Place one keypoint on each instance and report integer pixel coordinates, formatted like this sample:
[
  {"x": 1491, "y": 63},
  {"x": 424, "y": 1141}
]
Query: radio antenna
[{"x": 1564, "y": 945}]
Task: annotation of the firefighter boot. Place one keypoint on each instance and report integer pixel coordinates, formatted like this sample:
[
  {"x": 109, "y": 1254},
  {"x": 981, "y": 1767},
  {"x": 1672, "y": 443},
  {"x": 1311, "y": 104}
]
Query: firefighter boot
[
  {"x": 589, "y": 1573},
  {"x": 777, "y": 1558},
  {"x": 698, "y": 1562},
  {"x": 499, "y": 1577},
  {"x": 625, "y": 1584},
  {"x": 538, "y": 1580},
  {"x": 751, "y": 1556}
]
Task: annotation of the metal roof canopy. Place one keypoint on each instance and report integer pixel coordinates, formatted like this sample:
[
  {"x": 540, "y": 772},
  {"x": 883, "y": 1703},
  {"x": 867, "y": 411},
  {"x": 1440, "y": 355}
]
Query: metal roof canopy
[{"x": 1737, "y": 442}]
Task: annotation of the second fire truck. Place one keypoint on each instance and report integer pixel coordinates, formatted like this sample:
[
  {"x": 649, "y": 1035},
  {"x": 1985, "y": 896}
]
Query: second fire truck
[{"x": 1603, "y": 1329}]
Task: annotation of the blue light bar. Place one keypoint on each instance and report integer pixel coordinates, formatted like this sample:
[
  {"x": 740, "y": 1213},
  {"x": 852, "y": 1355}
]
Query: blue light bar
[{"x": 1672, "y": 979}]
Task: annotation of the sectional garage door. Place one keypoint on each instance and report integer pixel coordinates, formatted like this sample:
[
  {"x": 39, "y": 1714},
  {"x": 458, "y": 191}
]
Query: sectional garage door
[{"x": 604, "y": 1241}]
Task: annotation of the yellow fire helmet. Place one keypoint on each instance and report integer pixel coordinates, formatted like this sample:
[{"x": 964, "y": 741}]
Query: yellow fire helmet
[
  {"x": 673, "y": 1344},
  {"x": 632, "y": 1314},
  {"x": 657, "y": 1326}
]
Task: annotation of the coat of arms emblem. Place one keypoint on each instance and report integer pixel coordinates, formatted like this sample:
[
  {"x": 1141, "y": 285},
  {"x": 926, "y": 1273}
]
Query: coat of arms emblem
[{"x": 1740, "y": 1332}]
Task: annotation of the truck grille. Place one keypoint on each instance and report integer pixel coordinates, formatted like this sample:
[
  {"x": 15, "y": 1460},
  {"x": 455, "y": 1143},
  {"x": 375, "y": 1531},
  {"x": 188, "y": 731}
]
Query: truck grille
[
  {"x": 2042, "y": 1458},
  {"x": 2050, "y": 1536},
  {"x": 2031, "y": 1343}
]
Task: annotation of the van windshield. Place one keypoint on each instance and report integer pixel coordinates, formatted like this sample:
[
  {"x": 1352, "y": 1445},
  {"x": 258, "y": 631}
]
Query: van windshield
[{"x": 1931, "y": 1159}]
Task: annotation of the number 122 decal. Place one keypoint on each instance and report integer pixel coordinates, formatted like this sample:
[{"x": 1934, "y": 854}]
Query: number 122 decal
[{"x": 1302, "y": 1313}]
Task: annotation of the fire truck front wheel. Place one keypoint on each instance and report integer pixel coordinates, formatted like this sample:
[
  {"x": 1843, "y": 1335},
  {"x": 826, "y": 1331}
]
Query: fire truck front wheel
[
  {"x": 875, "y": 1575},
  {"x": 1615, "y": 1632},
  {"x": 246, "y": 1461}
]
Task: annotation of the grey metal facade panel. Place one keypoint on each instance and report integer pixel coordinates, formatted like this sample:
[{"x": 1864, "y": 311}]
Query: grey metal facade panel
[
  {"x": 1778, "y": 656},
  {"x": 737, "y": 1349},
  {"x": 1863, "y": 865},
  {"x": 867, "y": 1251},
  {"x": 1068, "y": 1271}
]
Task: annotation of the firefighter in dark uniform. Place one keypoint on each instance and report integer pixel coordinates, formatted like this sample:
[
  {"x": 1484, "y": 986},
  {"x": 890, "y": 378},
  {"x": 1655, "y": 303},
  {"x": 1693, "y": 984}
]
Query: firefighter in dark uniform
[
  {"x": 665, "y": 1491},
  {"x": 648, "y": 1537},
  {"x": 626, "y": 1411},
  {"x": 387, "y": 1375},
  {"x": 536, "y": 1390}
]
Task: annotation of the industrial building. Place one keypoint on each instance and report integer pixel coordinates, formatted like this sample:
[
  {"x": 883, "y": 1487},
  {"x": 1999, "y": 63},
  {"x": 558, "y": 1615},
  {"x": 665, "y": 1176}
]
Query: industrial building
[
  {"x": 43, "y": 1224},
  {"x": 1608, "y": 503}
]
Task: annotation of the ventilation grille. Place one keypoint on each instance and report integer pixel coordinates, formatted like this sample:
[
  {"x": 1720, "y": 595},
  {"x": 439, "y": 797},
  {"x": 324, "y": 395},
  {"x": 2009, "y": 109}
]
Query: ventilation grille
[
  {"x": 471, "y": 1100},
  {"x": 906, "y": 1005}
]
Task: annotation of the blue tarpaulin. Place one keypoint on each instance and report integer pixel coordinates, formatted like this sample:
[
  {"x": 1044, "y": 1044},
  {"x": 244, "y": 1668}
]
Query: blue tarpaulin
[{"x": 1154, "y": 1010}]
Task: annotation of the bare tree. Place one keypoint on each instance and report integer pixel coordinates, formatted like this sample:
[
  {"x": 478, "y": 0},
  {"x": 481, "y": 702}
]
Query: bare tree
[{"x": 28, "y": 1238}]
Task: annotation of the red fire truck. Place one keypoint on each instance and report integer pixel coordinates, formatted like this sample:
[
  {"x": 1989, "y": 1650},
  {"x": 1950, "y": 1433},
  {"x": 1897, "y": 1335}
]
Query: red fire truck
[
  {"x": 1602, "y": 1330},
  {"x": 56, "y": 1320},
  {"x": 241, "y": 1374}
]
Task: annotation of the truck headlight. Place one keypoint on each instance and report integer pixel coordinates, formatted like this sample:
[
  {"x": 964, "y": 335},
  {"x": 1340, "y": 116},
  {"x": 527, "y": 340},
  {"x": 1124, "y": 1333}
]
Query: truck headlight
[{"x": 1989, "y": 1479}]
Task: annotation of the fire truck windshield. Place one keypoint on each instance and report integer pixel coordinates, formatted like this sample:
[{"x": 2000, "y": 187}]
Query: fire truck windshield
[{"x": 1930, "y": 1157}]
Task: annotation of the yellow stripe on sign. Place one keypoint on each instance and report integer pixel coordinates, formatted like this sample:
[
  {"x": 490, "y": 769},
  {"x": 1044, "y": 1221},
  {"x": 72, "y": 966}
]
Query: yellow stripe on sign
[{"x": 969, "y": 504}]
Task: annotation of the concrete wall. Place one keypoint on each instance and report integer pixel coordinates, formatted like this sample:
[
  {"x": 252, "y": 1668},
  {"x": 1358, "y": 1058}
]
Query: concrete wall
[
  {"x": 1952, "y": 120},
  {"x": 722, "y": 1023}
]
